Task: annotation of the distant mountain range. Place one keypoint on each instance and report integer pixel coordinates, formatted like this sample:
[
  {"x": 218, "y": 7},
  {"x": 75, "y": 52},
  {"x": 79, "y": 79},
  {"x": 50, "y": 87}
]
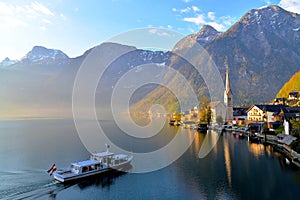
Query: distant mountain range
[
  {"x": 7, "y": 62},
  {"x": 262, "y": 51}
]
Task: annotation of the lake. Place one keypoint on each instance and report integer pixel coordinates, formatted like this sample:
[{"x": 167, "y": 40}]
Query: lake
[{"x": 234, "y": 169}]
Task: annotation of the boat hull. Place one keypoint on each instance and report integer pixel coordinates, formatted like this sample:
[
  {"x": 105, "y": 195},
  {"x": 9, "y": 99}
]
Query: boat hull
[{"x": 73, "y": 177}]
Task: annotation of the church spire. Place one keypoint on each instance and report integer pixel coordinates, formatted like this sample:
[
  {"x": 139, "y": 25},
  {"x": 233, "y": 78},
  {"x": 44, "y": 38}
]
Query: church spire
[
  {"x": 228, "y": 97},
  {"x": 228, "y": 88}
]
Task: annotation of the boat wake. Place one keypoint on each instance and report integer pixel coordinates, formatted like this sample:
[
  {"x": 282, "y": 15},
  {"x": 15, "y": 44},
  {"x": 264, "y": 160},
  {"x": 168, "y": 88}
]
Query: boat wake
[{"x": 27, "y": 184}]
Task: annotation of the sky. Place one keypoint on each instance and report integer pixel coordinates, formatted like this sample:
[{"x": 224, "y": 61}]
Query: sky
[{"x": 75, "y": 26}]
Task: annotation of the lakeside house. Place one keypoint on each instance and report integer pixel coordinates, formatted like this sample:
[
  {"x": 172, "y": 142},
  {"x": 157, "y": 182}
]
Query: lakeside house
[
  {"x": 280, "y": 101},
  {"x": 288, "y": 113},
  {"x": 265, "y": 113},
  {"x": 240, "y": 115},
  {"x": 294, "y": 95}
]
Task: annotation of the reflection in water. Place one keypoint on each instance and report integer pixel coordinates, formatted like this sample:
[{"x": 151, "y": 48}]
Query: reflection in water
[
  {"x": 192, "y": 134},
  {"x": 230, "y": 171},
  {"x": 227, "y": 161},
  {"x": 103, "y": 180},
  {"x": 209, "y": 143},
  {"x": 257, "y": 149}
]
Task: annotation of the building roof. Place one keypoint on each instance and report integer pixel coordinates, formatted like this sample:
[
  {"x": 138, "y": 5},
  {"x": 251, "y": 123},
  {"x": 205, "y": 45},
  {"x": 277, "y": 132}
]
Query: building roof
[
  {"x": 267, "y": 107},
  {"x": 290, "y": 112},
  {"x": 240, "y": 112},
  {"x": 287, "y": 139},
  {"x": 280, "y": 99},
  {"x": 293, "y": 93}
]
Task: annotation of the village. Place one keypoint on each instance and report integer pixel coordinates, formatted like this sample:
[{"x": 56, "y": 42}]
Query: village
[{"x": 276, "y": 123}]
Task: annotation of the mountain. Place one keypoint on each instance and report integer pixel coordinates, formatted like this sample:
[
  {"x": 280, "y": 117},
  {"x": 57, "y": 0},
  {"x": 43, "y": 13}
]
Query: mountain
[
  {"x": 42, "y": 55},
  {"x": 7, "y": 62},
  {"x": 262, "y": 51},
  {"x": 292, "y": 84},
  {"x": 41, "y": 84},
  {"x": 205, "y": 35}
]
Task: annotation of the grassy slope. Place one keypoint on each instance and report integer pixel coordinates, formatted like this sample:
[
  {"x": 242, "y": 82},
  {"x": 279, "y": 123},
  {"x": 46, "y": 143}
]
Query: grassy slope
[{"x": 292, "y": 84}]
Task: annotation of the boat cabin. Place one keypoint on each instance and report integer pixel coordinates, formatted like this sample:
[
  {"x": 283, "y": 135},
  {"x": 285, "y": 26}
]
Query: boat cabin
[
  {"x": 110, "y": 159},
  {"x": 85, "y": 166},
  {"x": 103, "y": 157},
  {"x": 121, "y": 158}
]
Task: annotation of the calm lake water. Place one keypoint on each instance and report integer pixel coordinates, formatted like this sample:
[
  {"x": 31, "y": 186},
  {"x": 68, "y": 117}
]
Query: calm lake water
[{"x": 234, "y": 169}]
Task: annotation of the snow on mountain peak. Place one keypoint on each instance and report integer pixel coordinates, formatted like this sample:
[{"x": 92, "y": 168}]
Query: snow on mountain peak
[
  {"x": 7, "y": 62},
  {"x": 40, "y": 54},
  {"x": 205, "y": 35}
]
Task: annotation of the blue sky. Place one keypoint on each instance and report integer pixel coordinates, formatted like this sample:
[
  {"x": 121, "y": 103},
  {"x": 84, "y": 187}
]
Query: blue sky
[{"x": 75, "y": 26}]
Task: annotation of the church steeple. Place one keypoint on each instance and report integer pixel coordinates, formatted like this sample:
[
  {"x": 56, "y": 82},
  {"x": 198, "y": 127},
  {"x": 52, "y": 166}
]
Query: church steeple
[
  {"x": 228, "y": 97},
  {"x": 228, "y": 88}
]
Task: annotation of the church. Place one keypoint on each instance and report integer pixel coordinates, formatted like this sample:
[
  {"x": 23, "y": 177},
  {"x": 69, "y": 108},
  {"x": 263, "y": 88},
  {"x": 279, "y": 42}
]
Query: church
[{"x": 228, "y": 97}]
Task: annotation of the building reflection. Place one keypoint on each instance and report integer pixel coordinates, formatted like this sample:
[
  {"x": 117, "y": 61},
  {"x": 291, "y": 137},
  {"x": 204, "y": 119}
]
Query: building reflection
[
  {"x": 227, "y": 162},
  {"x": 209, "y": 144},
  {"x": 256, "y": 149}
]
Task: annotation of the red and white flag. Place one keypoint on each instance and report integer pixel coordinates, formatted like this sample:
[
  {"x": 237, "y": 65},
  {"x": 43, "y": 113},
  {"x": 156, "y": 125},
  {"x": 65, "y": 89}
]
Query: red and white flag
[{"x": 52, "y": 169}]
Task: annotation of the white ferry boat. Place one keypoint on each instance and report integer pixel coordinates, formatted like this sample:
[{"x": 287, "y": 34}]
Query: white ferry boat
[{"x": 98, "y": 163}]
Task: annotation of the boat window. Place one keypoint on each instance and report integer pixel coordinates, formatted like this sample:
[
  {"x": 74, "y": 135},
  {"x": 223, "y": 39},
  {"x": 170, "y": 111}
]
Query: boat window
[
  {"x": 85, "y": 169},
  {"x": 97, "y": 166},
  {"x": 93, "y": 157},
  {"x": 74, "y": 169},
  {"x": 92, "y": 167}
]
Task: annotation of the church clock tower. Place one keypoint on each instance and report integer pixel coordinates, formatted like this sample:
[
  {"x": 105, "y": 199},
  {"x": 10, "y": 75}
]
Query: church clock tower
[{"x": 228, "y": 98}]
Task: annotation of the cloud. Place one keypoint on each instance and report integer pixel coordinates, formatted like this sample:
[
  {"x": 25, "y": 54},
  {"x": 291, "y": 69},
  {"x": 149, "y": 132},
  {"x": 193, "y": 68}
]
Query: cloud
[
  {"x": 290, "y": 5},
  {"x": 217, "y": 26},
  {"x": 12, "y": 22},
  {"x": 6, "y": 9},
  {"x": 43, "y": 28},
  {"x": 211, "y": 15},
  {"x": 12, "y": 15},
  {"x": 268, "y": 2},
  {"x": 47, "y": 21},
  {"x": 185, "y": 10},
  {"x": 195, "y": 8},
  {"x": 158, "y": 32},
  {"x": 187, "y": 1},
  {"x": 227, "y": 20},
  {"x": 199, "y": 19},
  {"x": 63, "y": 17},
  {"x": 220, "y": 24},
  {"x": 42, "y": 9}
]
